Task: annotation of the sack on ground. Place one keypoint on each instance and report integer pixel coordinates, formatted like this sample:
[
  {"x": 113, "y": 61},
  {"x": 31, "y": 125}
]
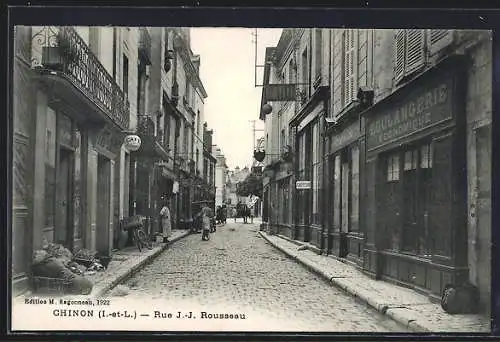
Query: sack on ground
[{"x": 461, "y": 299}]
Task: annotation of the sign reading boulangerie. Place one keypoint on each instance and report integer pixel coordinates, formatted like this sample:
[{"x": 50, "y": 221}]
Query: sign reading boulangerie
[{"x": 419, "y": 110}]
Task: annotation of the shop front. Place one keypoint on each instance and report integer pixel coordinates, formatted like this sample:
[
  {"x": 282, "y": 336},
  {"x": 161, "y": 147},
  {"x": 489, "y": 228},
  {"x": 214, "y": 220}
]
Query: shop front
[
  {"x": 307, "y": 218},
  {"x": 342, "y": 234},
  {"x": 416, "y": 185}
]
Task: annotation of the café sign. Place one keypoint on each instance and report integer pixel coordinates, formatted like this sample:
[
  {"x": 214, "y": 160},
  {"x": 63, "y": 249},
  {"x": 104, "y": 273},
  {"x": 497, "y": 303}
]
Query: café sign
[{"x": 421, "y": 109}]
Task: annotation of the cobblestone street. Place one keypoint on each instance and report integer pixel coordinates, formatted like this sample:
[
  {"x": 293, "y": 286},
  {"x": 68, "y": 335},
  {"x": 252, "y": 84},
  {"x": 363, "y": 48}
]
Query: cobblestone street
[{"x": 239, "y": 269}]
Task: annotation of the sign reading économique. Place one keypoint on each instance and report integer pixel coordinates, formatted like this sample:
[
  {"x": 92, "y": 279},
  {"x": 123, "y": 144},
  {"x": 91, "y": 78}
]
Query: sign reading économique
[
  {"x": 301, "y": 185},
  {"x": 344, "y": 137},
  {"x": 280, "y": 92},
  {"x": 421, "y": 109}
]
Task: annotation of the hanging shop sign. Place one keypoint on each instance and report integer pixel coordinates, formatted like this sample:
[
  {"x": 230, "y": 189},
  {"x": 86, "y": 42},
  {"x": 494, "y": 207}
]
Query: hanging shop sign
[
  {"x": 302, "y": 185},
  {"x": 132, "y": 142},
  {"x": 424, "y": 107},
  {"x": 280, "y": 92}
]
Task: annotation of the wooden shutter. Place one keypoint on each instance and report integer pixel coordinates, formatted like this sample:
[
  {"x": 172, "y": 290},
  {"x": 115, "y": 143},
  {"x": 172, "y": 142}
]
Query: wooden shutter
[
  {"x": 441, "y": 203},
  {"x": 399, "y": 55},
  {"x": 415, "y": 50},
  {"x": 439, "y": 39},
  {"x": 350, "y": 65}
]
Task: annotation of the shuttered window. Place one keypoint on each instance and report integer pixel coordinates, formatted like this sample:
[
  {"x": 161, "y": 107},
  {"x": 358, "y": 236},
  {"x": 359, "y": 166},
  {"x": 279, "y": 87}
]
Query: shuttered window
[
  {"x": 350, "y": 65},
  {"x": 439, "y": 39},
  {"x": 409, "y": 52},
  {"x": 415, "y": 50}
]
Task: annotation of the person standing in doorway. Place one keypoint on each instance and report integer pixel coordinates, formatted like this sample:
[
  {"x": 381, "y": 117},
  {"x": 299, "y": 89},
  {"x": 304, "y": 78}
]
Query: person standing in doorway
[{"x": 166, "y": 221}]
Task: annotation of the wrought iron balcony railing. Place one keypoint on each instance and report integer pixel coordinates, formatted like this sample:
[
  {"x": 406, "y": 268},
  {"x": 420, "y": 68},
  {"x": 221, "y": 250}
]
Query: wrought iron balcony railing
[
  {"x": 62, "y": 49},
  {"x": 145, "y": 44}
]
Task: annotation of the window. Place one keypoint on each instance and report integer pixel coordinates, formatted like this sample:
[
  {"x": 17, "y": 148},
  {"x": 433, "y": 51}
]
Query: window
[
  {"x": 409, "y": 52},
  {"x": 319, "y": 51},
  {"x": 305, "y": 74},
  {"x": 291, "y": 75},
  {"x": 407, "y": 203},
  {"x": 187, "y": 95},
  {"x": 166, "y": 65},
  {"x": 125, "y": 76},
  {"x": 167, "y": 129},
  {"x": 393, "y": 168},
  {"x": 350, "y": 65},
  {"x": 283, "y": 140},
  {"x": 186, "y": 139},
  {"x": 354, "y": 190}
]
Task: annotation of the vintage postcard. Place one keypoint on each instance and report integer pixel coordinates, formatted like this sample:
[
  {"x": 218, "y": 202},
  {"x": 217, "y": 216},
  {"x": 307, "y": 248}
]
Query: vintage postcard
[{"x": 173, "y": 179}]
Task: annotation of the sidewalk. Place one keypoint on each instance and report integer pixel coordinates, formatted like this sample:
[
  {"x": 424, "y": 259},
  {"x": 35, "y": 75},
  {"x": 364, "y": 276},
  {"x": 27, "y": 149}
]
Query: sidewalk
[
  {"x": 126, "y": 262},
  {"x": 405, "y": 306}
]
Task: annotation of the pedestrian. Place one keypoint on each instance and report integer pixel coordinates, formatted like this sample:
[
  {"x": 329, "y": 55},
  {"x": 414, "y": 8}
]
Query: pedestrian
[
  {"x": 166, "y": 221},
  {"x": 206, "y": 219}
]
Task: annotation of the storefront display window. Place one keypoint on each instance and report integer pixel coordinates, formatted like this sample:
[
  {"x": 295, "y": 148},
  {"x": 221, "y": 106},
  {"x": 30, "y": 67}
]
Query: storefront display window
[{"x": 408, "y": 198}]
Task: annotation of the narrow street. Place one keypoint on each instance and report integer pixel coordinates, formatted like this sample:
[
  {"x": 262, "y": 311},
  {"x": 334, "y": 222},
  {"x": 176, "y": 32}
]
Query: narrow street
[{"x": 238, "y": 268}]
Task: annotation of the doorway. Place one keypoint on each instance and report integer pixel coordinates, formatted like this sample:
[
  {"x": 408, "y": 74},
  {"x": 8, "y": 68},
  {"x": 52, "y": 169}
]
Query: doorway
[
  {"x": 103, "y": 204},
  {"x": 63, "y": 229}
]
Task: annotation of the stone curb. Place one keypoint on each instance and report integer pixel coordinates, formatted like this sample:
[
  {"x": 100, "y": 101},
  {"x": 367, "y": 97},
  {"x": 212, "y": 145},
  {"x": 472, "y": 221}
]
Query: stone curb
[
  {"x": 380, "y": 307},
  {"x": 135, "y": 267}
]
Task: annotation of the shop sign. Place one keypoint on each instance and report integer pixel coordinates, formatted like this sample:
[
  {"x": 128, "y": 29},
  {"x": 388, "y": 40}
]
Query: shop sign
[
  {"x": 132, "y": 142},
  {"x": 345, "y": 137},
  {"x": 302, "y": 185},
  {"x": 280, "y": 92},
  {"x": 421, "y": 109}
]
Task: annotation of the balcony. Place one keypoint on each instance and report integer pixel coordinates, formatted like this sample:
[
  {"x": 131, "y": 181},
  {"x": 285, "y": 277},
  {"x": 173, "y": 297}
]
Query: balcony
[
  {"x": 145, "y": 45},
  {"x": 69, "y": 68}
]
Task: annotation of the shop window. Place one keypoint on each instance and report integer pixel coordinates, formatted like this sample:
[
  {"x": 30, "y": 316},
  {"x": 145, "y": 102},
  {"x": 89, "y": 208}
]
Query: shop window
[
  {"x": 408, "y": 199},
  {"x": 393, "y": 168},
  {"x": 354, "y": 191}
]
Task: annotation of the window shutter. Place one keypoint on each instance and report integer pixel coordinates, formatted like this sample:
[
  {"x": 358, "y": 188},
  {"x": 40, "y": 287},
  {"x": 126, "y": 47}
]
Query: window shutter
[
  {"x": 415, "y": 50},
  {"x": 442, "y": 194},
  {"x": 347, "y": 66},
  {"x": 439, "y": 39},
  {"x": 399, "y": 55}
]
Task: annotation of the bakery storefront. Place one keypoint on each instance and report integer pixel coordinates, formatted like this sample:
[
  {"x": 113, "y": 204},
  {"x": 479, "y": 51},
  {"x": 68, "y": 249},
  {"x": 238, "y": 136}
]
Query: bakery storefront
[{"x": 415, "y": 210}]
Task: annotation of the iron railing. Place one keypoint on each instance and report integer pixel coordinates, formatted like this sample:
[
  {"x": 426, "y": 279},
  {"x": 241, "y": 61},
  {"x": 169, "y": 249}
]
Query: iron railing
[{"x": 62, "y": 49}]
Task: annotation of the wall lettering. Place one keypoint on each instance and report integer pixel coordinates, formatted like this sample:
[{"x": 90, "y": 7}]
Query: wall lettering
[{"x": 420, "y": 110}]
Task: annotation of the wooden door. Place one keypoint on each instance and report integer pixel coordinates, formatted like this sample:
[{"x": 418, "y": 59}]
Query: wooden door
[
  {"x": 61, "y": 234},
  {"x": 344, "y": 217}
]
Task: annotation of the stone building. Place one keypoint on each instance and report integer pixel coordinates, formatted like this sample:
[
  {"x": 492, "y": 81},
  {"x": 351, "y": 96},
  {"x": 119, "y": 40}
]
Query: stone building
[
  {"x": 89, "y": 88},
  {"x": 82, "y": 90},
  {"x": 401, "y": 120},
  {"x": 220, "y": 177}
]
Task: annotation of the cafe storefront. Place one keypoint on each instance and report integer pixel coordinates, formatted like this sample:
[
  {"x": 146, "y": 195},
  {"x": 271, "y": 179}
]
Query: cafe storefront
[{"x": 415, "y": 212}]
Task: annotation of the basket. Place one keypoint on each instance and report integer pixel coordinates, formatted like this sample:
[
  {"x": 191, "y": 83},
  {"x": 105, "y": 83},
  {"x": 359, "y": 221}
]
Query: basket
[
  {"x": 50, "y": 285},
  {"x": 87, "y": 262}
]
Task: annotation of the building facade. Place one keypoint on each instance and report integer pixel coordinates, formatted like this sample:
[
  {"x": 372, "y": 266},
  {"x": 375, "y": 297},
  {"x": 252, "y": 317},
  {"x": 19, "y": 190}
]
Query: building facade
[
  {"x": 91, "y": 87},
  {"x": 220, "y": 177},
  {"x": 392, "y": 143},
  {"x": 72, "y": 131}
]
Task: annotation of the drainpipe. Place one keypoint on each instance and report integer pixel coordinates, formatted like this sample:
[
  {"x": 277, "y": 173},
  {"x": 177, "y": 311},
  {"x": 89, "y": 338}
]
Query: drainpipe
[{"x": 114, "y": 53}]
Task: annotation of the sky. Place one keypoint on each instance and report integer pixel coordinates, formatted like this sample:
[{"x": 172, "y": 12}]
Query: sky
[{"x": 227, "y": 59}]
